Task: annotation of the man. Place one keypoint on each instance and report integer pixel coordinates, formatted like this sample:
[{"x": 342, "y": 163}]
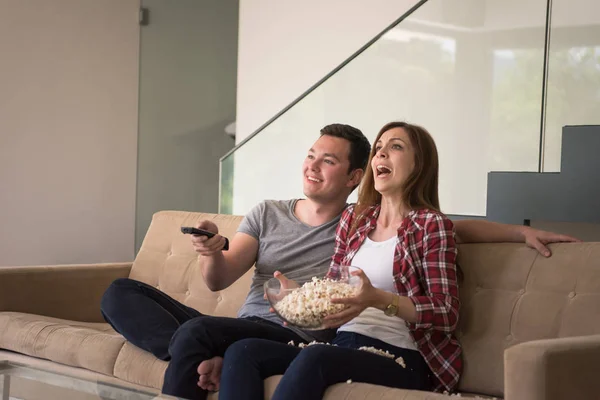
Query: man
[{"x": 295, "y": 237}]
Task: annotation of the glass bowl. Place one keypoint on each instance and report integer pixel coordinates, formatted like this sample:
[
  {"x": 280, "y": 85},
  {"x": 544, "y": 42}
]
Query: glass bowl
[{"x": 305, "y": 307}]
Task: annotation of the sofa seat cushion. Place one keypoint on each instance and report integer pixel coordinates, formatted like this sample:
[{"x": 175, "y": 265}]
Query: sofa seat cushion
[
  {"x": 94, "y": 346},
  {"x": 140, "y": 367}
]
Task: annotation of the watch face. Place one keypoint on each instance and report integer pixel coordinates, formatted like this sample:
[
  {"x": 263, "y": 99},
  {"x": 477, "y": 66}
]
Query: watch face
[{"x": 391, "y": 310}]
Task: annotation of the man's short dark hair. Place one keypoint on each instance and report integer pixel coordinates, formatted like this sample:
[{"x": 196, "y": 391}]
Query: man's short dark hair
[{"x": 359, "y": 144}]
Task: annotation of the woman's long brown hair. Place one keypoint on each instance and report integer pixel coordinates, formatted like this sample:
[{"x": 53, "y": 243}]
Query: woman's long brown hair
[{"x": 421, "y": 187}]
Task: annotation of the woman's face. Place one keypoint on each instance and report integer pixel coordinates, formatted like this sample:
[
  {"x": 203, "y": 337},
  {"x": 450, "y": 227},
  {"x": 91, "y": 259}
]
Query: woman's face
[{"x": 393, "y": 162}]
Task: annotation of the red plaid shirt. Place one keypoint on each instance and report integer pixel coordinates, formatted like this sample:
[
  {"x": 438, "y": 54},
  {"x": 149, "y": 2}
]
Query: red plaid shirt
[{"x": 424, "y": 271}]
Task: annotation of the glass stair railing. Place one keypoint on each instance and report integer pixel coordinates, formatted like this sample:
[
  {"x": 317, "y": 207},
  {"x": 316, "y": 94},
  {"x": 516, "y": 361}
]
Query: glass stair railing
[{"x": 474, "y": 73}]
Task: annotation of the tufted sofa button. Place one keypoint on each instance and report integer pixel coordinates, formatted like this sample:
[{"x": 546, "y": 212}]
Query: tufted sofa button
[
  {"x": 508, "y": 338},
  {"x": 158, "y": 287},
  {"x": 187, "y": 293},
  {"x": 219, "y": 298},
  {"x": 522, "y": 291},
  {"x": 571, "y": 295}
]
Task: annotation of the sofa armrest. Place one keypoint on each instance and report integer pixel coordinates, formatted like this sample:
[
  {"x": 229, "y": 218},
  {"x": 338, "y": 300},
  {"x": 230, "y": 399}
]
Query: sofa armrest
[
  {"x": 70, "y": 292},
  {"x": 553, "y": 369}
]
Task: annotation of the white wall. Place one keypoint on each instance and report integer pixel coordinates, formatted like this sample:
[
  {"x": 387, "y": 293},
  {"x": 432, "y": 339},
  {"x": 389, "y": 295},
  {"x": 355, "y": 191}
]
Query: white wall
[
  {"x": 68, "y": 129},
  {"x": 286, "y": 46}
]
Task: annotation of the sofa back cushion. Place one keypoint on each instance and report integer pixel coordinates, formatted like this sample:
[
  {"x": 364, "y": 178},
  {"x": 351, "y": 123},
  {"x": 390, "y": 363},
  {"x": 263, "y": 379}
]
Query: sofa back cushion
[
  {"x": 168, "y": 262},
  {"x": 510, "y": 294}
]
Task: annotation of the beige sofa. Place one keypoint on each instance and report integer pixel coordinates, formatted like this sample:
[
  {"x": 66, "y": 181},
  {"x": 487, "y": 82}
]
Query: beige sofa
[{"x": 530, "y": 326}]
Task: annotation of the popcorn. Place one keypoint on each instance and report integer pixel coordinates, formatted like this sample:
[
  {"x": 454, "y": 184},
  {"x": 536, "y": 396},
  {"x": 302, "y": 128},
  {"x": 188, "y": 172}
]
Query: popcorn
[
  {"x": 459, "y": 395},
  {"x": 377, "y": 351},
  {"x": 370, "y": 349},
  {"x": 400, "y": 361},
  {"x": 303, "y": 345},
  {"x": 309, "y": 305},
  {"x": 386, "y": 353}
]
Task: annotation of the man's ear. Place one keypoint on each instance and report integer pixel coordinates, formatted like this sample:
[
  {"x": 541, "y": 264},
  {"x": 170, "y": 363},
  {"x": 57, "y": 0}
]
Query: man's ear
[{"x": 355, "y": 177}]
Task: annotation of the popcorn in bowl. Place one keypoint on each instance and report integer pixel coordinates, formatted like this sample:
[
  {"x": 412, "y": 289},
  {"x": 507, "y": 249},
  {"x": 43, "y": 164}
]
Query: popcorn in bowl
[{"x": 307, "y": 306}]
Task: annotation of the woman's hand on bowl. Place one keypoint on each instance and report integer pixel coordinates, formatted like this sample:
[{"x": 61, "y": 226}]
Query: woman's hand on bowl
[{"x": 365, "y": 295}]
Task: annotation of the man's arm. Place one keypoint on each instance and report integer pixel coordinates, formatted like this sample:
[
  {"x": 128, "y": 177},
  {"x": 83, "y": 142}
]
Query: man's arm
[
  {"x": 479, "y": 231},
  {"x": 222, "y": 268}
]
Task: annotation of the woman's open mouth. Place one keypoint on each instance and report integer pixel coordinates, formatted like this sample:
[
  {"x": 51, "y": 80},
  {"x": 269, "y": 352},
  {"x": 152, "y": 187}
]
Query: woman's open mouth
[{"x": 383, "y": 171}]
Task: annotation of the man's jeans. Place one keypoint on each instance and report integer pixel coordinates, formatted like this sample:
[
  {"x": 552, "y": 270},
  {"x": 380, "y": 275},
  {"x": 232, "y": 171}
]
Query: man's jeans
[{"x": 155, "y": 322}]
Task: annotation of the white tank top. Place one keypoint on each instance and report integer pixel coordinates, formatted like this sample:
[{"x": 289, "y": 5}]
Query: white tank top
[{"x": 376, "y": 259}]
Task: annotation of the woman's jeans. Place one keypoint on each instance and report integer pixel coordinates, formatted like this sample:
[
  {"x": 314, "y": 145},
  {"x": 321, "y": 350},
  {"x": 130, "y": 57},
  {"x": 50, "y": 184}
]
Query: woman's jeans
[{"x": 310, "y": 371}]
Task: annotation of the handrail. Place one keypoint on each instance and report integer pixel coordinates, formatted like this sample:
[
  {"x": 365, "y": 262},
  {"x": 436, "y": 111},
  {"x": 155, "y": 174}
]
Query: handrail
[
  {"x": 326, "y": 77},
  {"x": 542, "y": 148}
]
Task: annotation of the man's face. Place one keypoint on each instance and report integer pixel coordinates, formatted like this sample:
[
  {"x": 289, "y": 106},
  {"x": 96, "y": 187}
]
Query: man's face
[{"x": 325, "y": 169}]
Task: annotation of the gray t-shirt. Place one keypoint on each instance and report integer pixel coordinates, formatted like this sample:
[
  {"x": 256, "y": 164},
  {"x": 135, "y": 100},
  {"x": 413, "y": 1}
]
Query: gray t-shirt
[{"x": 288, "y": 245}]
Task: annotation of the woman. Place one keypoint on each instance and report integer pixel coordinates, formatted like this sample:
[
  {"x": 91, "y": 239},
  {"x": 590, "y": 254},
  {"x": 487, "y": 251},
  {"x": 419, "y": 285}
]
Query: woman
[{"x": 407, "y": 303}]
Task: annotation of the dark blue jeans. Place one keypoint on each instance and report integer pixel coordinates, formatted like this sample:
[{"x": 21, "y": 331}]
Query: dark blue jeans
[
  {"x": 144, "y": 315},
  {"x": 309, "y": 372},
  {"x": 155, "y": 322}
]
